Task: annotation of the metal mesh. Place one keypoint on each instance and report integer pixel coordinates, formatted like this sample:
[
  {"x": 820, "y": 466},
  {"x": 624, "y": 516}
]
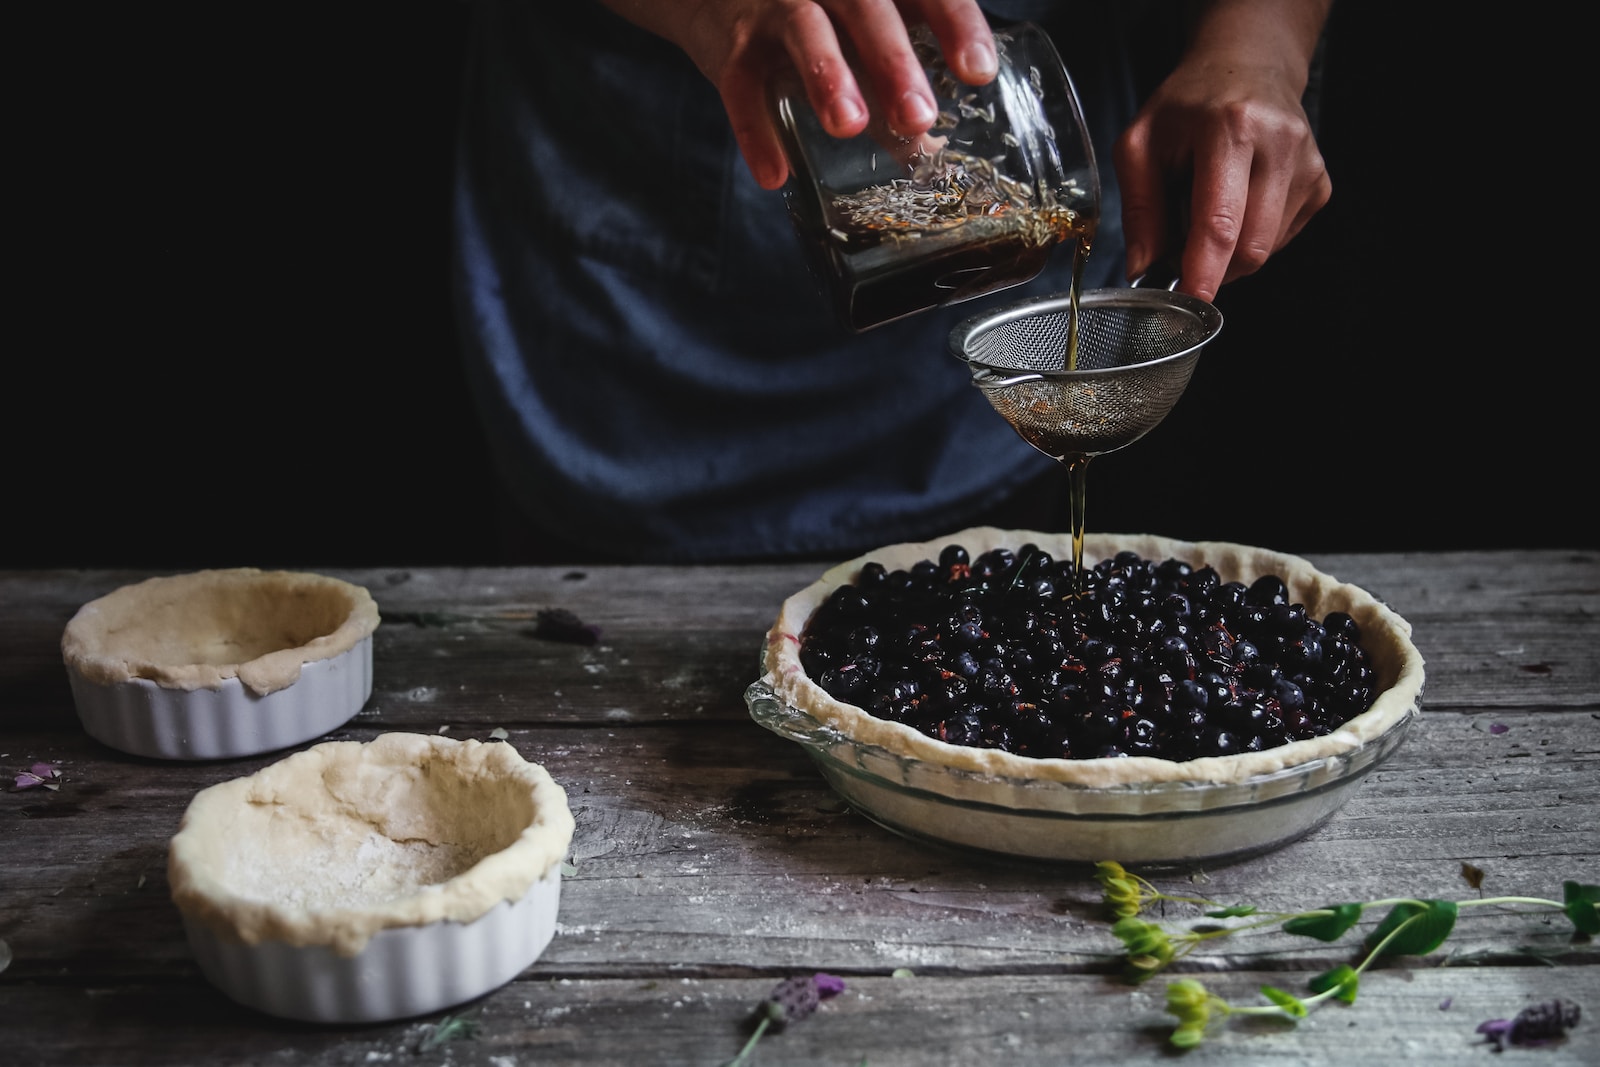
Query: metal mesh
[{"x": 1136, "y": 351}]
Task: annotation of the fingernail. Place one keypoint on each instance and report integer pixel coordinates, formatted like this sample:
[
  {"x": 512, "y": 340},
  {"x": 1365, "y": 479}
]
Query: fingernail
[
  {"x": 914, "y": 115},
  {"x": 979, "y": 60},
  {"x": 847, "y": 111}
]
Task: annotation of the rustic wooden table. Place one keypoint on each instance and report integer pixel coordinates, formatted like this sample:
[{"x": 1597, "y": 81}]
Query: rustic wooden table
[{"x": 711, "y": 860}]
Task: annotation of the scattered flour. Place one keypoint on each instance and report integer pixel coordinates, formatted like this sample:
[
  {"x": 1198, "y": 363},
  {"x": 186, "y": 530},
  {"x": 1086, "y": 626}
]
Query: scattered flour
[{"x": 328, "y": 877}]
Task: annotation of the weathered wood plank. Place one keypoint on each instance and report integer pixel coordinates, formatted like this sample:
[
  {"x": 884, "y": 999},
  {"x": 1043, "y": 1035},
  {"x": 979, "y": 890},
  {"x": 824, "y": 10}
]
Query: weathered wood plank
[
  {"x": 1542, "y": 582},
  {"x": 711, "y": 858},
  {"x": 1425, "y": 1015},
  {"x": 683, "y": 643},
  {"x": 730, "y": 836}
]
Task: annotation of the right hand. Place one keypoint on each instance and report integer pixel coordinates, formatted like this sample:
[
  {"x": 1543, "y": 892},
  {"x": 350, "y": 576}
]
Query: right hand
[{"x": 737, "y": 44}]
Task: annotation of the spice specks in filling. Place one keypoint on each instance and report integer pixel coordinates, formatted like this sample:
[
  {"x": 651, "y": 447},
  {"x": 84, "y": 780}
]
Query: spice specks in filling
[{"x": 1154, "y": 659}]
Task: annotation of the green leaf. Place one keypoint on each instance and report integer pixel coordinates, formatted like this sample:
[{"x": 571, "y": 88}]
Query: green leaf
[
  {"x": 1419, "y": 926},
  {"x": 1326, "y": 924},
  {"x": 1290, "y": 1003},
  {"x": 449, "y": 1028},
  {"x": 1235, "y": 912},
  {"x": 1582, "y": 902},
  {"x": 1343, "y": 978}
]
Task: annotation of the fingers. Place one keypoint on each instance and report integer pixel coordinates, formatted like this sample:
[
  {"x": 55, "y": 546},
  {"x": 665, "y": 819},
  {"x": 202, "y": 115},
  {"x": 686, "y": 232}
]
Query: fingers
[
  {"x": 814, "y": 47},
  {"x": 892, "y": 85},
  {"x": 1255, "y": 190},
  {"x": 744, "y": 98},
  {"x": 1224, "y": 209},
  {"x": 1249, "y": 177},
  {"x": 964, "y": 38},
  {"x": 896, "y": 88},
  {"x": 1313, "y": 196},
  {"x": 1145, "y": 223},
  {"x": 742, "y": 45},
  {"x": 1246, "y": 206},
  {"x": 799, "y": 34}
]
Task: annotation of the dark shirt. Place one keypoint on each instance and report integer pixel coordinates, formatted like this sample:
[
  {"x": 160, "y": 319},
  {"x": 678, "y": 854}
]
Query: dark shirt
[{"x": 658, "y": 374}]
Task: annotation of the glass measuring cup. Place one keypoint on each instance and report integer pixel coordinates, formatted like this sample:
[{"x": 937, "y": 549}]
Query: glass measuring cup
[{"x": 895, "y": 226}]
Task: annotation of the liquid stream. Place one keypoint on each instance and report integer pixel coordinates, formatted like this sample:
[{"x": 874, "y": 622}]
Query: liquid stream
[{"x": 900, "y": 248}]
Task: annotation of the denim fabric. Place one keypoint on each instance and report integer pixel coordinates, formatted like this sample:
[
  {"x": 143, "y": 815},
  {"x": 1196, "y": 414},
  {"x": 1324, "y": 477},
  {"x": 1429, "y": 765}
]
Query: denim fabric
[{"x": 657, "y": 372}]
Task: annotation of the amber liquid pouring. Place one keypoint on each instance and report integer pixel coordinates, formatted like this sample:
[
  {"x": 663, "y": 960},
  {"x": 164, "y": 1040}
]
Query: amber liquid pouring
[
  {"x": 1077, "y": 462},
  {"x": 1037, "y": 411}
]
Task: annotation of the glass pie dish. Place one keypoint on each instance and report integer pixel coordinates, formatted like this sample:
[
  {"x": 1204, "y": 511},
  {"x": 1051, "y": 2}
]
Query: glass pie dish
[{"x": 1132, "y": 809}]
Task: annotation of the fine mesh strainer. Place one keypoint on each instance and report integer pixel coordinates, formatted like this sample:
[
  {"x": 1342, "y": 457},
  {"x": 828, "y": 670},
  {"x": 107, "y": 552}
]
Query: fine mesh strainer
[{"x": 1135, "y": 351}]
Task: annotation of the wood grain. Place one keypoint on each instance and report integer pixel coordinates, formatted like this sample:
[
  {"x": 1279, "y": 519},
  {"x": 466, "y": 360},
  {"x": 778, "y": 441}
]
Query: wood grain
[{"x": 711, "y": 859}]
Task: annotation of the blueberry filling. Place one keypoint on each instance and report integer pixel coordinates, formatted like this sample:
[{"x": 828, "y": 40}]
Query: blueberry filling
[{"x": 1155, "y": 659}]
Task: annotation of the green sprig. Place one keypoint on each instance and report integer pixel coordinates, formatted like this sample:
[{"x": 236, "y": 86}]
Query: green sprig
[
  {"x": 1410, "y": 927},
  {"x": 450, "y": 1028}
]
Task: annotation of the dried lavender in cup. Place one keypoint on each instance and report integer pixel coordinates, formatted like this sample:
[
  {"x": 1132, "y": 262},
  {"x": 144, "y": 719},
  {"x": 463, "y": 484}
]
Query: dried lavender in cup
[{"x": 949, "y": 187}]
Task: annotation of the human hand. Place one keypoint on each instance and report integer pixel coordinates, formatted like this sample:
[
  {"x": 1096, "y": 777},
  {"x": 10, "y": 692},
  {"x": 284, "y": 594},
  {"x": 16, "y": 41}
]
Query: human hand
[
  {"x": 739, "y": 44},
  {"x": 1229, "y": 123}
]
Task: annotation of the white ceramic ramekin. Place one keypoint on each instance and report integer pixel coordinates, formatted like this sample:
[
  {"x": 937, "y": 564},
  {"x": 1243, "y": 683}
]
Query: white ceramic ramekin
[
  {"x": 403, "y": 971},
  {"x": 220, "y": 664},
  {"x": 144, "y": 718},
  {"x": 359, "y": 882}
]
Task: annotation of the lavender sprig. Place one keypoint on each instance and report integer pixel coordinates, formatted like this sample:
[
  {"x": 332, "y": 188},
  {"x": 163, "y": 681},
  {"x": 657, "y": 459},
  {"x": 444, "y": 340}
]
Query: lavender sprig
[{"x": 790, "y": 1001}]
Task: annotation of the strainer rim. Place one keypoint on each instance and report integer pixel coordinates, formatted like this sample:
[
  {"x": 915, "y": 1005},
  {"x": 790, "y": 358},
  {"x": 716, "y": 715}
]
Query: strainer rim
[{"x": 972, "y": 326}]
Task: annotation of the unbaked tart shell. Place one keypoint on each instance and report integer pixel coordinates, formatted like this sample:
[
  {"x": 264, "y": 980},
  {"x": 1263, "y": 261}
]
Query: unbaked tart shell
[
  {"x": 365, "y": 881},
  {"x": 220, "y": 663}
]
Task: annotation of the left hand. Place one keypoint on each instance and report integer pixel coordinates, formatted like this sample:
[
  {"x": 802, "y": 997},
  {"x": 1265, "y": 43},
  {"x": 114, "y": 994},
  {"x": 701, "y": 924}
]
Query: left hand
[{"x": 1229, "y": 121}]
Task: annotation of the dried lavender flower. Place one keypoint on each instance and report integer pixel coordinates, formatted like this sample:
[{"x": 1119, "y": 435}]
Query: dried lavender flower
[
  {"x": 1536, "y": 1024},
  {"x": 560, "y": 624},
  {"x": 790, "y": 1001}
]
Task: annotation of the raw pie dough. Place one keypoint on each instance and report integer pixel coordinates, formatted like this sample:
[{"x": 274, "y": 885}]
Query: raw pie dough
[
  {"x": 333, "y": 844},
  {"x": 1384, "y": 634},
  {"x": 193, "y": 631}
]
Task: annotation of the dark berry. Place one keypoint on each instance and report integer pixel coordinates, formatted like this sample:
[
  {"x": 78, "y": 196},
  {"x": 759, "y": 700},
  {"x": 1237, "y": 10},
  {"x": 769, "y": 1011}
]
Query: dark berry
[
  {"x": 1268, "y": 590},
  {"x": 1159, "y": 659}
]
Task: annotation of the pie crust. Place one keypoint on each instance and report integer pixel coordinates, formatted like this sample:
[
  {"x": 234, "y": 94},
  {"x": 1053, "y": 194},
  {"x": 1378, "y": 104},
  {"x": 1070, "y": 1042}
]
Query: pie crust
[
  {"x": 198, "y": 630},
  {"x": 335, "y": 844},
  {"x": 1385, "y": 636}
]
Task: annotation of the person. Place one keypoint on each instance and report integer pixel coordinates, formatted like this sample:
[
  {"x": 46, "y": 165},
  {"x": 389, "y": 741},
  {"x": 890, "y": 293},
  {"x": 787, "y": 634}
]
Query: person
[{"x": 658, "y": 377}]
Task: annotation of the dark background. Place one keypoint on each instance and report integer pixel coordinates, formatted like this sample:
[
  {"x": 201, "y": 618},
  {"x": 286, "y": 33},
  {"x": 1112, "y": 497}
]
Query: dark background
[{"x": 232, "y": 341}]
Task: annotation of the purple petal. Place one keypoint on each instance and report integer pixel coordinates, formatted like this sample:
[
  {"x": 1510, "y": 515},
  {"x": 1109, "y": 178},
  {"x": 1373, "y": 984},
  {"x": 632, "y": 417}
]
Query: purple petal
[
  {"x": 1444, "y": 1005},
  {"x": 44, "y": 770},
  {"x": 1496, "y": 1030},
  {"x": 1498, "y": 728},
  {"x": 828, "y": 985}
]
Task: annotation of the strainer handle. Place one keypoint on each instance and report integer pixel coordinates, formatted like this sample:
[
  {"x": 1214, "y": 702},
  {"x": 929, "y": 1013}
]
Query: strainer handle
[
  {"x": 1167, "y": 270},
  {"x": 1164, "y": 273}
]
